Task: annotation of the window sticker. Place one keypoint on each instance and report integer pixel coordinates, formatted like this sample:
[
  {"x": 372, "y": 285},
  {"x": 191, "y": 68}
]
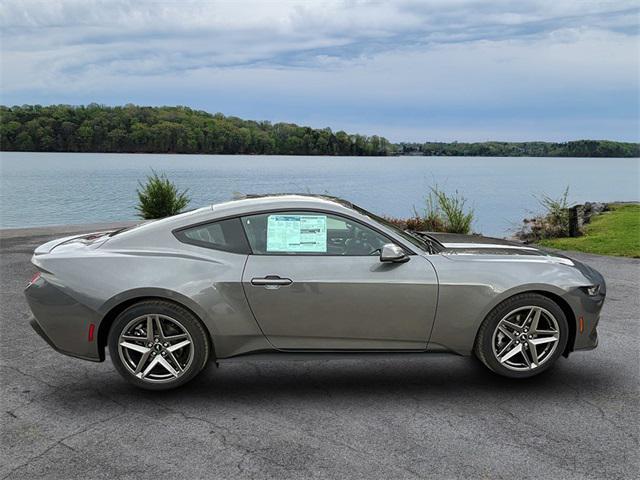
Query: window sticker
[{"x": 297, "y": 233}]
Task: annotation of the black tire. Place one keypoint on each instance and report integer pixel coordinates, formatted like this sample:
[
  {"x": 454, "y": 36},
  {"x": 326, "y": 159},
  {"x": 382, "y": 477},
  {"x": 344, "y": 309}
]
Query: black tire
[
  {"x": 484, "y": 349},
  {"x": 190, "y": 323}
]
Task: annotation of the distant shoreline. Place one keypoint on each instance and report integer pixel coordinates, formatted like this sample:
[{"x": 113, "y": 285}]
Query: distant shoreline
[
  {"x": 180, "y": 130},
  {"x": 177, "y": 154}
]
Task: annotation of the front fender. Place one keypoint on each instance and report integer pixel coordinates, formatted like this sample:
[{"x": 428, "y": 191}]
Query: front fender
[
  {"x": 470, "y": 287},
  {"x": 457, "y": 323}
]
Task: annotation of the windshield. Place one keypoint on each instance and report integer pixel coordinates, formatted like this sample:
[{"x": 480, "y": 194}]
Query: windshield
[{"x": 424, "y": 242}]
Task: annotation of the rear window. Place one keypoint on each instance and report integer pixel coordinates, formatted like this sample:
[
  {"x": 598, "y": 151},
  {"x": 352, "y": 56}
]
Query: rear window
[{"x": 225, "y": 235}]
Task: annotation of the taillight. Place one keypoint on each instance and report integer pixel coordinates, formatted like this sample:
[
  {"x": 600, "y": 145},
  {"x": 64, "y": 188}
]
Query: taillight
[{"x": 35, "y": 278}]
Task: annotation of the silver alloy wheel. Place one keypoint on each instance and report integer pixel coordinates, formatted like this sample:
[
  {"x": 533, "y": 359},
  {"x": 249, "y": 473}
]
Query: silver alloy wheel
[
  {"x": 525, "y": 338},
  {"x": 156, "y": 348}
]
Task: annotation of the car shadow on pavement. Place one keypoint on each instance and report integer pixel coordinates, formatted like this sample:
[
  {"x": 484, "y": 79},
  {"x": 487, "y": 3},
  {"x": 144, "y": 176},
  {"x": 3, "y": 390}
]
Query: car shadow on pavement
[{"x": 260, "y": 382}]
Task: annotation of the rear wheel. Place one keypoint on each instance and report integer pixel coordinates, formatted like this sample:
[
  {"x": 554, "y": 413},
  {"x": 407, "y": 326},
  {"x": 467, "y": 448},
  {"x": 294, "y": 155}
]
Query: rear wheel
[
  {"x": 158, "y": 345},
  {"x": 523, "y": 336}
]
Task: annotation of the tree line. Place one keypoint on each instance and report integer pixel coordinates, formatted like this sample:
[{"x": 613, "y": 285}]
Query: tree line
[
  {"x": 578, "y": 148},
  {"x": 136, "y": 129}
]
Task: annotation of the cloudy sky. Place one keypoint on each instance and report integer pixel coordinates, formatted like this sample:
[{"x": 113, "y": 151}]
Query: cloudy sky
[{"x": 409, "y": 70}]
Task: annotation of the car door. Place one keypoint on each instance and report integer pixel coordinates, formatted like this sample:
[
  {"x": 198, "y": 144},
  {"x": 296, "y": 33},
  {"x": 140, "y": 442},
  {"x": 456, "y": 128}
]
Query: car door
[{"x": 315, "y": 281}]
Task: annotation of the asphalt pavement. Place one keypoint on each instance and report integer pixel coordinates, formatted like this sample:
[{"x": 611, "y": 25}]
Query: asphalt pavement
[{"x": 441, "y": 416}]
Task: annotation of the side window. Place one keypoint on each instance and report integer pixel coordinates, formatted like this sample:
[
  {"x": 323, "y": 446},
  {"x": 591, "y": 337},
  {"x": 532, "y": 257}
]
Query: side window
[
  {"x": 310, "y": 233},
  {"x": 226, "y": 235}
]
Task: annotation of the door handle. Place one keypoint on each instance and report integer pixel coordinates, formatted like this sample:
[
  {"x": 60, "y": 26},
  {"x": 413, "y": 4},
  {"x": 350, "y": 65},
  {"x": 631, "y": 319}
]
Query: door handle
[{"x": 271, "y": 280}]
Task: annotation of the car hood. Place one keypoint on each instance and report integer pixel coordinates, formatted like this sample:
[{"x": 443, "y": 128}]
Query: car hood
[
  {"x": 480, "y": 248},
  {"x": 479, "y": 245},
  {"x": 458, "y": 242}
]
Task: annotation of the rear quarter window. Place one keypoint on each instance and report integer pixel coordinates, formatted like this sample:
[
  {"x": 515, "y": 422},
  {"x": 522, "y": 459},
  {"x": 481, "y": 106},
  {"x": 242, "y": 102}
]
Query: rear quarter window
[{"x": 225, "y": 235}]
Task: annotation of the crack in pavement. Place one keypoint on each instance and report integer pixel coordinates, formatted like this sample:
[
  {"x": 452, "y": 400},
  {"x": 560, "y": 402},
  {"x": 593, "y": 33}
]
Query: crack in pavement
[{"x": 61, "y": 441}]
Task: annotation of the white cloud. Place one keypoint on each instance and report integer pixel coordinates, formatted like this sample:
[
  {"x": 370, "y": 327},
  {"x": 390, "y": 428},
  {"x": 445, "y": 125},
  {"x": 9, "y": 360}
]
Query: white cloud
[{"x": 428, "y": 59}]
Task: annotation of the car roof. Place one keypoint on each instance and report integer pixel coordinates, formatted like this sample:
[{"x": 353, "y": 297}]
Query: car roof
[
  {"x": 261, "y": 202},
  {"x": 287, "y": 196},
  {"x": 245, "y": 205}
]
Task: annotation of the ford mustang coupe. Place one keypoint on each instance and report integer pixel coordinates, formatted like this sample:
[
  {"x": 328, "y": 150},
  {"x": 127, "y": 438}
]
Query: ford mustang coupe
[{"x": 302, "y": 274}]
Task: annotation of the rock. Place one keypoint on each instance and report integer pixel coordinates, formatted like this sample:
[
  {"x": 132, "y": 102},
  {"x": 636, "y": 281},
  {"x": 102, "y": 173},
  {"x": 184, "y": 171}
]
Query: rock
[{"x": 591, "y": 209}]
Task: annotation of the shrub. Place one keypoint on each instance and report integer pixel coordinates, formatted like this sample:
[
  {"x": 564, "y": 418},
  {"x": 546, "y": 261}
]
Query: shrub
[
  {"x": 398, "y": 222},
  {"x": 552, "y": 223},
  {"x": 432, "y": 219},
  {"x": 447, "y": 212},
  {"x": 159, "y": 197},
  {"x": 556, "y": 214},
  {"x": 443, "y": 213},
  {"x": 412, "y": 223},
  {"x": 416, "y": 223}
]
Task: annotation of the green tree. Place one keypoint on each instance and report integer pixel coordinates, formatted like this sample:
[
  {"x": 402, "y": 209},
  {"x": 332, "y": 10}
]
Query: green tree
[
  {"x": 131, "y": 128},
  {"x": 159, "y": 197}
]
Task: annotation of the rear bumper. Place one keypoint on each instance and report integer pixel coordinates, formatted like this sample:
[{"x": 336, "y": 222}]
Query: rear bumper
[
  {"x": 62, "y": 321},
  {"x": 38, "y": 329}
]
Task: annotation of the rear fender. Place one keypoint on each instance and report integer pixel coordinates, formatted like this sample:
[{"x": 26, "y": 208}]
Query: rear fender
[{"x": 112, "y": 307}]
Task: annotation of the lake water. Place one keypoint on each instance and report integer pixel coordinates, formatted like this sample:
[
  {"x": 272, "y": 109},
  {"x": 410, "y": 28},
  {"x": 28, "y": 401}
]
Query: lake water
[{"x": 39, "y": 189}]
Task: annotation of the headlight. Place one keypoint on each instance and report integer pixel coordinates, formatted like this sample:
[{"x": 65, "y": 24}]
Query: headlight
[{"x": 592, "y": 291}]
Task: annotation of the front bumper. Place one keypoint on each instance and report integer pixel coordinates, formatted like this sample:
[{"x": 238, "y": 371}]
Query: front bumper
[
  {"x": 587, "y": 316},
  {"x": 587, "y": 307},
  {"x": 62, "y": 321}
]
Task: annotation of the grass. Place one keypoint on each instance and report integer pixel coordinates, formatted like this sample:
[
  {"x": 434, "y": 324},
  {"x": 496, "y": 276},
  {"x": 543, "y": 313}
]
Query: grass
[{"x": 616, "y": 232}]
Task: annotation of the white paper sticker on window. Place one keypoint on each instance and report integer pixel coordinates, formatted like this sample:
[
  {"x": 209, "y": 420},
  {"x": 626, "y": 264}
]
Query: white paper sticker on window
[{"x": 297, "y": 233}]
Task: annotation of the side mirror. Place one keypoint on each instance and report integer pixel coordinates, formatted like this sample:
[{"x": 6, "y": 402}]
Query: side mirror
[{"x": 393, "y": 253}]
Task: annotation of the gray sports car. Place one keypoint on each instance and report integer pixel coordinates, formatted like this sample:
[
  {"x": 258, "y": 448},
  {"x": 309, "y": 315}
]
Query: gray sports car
[{"x": 302, "y": 274}]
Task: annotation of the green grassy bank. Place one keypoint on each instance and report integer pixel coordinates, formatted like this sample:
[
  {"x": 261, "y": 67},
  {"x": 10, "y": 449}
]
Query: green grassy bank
[{"x": 616, "y": 232}]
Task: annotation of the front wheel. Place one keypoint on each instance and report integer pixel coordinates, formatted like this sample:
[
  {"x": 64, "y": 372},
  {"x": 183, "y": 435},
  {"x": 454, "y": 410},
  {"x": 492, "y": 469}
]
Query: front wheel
[
  {"x": 523, "y": 336},
  {"x": 158, "y": 345}
]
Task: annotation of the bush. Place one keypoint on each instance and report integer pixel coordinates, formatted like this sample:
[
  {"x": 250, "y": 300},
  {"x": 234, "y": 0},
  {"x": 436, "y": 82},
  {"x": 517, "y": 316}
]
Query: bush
[
  {"x": 416, "y": 223},
  {"x": 443, "y": 213},
  {"x": 557, "y": 214},
  {"x": 552, "y": 223},
  {"x": 398, "y": 222},
  {"x": 450, "y": 211},
  {"x": 159, "y": 198}
]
